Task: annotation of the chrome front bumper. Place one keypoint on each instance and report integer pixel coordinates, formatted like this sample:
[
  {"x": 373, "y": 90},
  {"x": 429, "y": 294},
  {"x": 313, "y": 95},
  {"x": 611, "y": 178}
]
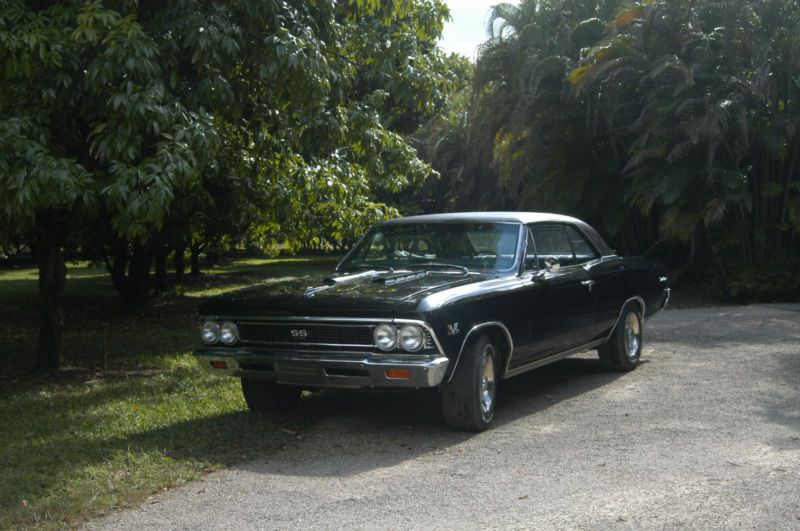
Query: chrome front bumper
[{"x": 325, "y": 369}]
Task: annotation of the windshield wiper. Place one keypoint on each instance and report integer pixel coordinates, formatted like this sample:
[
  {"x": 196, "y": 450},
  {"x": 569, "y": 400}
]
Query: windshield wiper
[
  {"x": 368, "y": 266},
  {"x": 439, "y": 265}
]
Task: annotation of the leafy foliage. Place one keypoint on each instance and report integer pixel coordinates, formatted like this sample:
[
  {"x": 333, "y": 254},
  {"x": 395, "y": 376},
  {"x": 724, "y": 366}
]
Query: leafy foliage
[
  {"x": 137, "y": 127},
  {"x": 140, "y": 105},
  {"x": 673, "y": 125}
]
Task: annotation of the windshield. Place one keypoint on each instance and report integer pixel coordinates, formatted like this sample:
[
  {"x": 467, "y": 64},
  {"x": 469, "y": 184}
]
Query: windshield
[{"x": 476, "y": 246}]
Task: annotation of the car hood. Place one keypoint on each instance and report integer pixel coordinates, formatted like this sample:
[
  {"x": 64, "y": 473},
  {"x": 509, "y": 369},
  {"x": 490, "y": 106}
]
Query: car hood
[{"x": 367, "y": 294}]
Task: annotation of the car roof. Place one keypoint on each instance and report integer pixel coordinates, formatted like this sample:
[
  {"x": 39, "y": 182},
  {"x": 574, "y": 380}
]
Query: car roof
[
  {"x": 516, "y": 217},
  {"x": 509, "y": 217}
]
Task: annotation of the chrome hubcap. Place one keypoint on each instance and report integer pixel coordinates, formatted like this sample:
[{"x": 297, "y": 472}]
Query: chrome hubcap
[
  {"x": 633, "y": 336},
  {"x": 487, "y": 380}
]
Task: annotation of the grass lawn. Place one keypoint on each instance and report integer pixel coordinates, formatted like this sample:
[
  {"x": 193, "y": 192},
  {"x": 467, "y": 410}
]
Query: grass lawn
[{"x": 131, "y": 414}]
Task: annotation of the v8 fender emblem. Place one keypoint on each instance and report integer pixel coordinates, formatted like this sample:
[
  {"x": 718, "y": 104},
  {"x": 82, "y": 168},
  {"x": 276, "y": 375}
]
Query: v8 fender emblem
[{"x": 452, "y": 329}]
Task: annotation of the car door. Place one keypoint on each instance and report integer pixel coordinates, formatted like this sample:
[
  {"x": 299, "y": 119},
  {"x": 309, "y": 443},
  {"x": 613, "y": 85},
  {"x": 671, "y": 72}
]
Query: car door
[
  {"x": 568, "y": 319},
  {"x": 608, "y": 283}
]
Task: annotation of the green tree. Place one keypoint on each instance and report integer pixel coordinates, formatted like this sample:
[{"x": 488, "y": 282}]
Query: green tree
[
  {"x": 713, "y": 144},
  {"x": 672, "y": 125},
  {"x": 150, "y": 121}
]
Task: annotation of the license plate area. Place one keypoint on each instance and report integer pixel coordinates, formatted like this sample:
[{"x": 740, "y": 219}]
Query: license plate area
[{"x": 299, "y": 372}]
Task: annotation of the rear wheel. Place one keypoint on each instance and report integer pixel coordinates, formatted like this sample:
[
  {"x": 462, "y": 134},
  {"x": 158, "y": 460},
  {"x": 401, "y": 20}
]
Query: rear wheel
[
  {"x": 266, "y": 396},
  {"x": 468, "y": 401},
  {"x": 623, "y": 349}
]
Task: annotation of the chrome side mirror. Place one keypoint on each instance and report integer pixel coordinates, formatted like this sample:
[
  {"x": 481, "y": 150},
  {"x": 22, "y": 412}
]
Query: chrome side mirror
[{"x": 552, "y": 264}]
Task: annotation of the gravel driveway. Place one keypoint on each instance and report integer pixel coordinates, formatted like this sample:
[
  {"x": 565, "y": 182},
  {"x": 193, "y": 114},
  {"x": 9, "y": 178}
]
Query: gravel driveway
[{"x": 704, "y": 434}]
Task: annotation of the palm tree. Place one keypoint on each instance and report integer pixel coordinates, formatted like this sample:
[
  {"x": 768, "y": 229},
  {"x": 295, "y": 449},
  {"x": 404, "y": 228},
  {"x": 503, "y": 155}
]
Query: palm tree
[{"x": 673, "y": 124}]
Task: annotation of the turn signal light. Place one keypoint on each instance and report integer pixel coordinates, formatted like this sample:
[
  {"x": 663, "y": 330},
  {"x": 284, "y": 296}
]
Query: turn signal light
[
  {"x": 217, "y": 364},
  {"x": 398, "y": 374}
]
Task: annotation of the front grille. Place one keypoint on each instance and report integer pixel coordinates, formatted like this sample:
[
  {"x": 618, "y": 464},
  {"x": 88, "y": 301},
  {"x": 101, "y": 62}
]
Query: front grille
[
  {"x": 307, "y": 334},
  {"x": 427, "y": 344}
]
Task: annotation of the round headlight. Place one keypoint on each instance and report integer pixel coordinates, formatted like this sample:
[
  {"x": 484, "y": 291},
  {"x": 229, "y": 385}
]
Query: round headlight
[
  {"x": 209, "y": 332},
  {"x": 385, "y": 336},
  {"x": 411, "y": 338},
  {"x": 229, "y": 333}
]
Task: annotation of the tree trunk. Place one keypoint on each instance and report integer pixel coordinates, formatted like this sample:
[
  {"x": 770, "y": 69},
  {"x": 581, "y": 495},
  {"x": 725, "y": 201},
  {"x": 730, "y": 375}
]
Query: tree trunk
[
  {"x": 51, "y": 233},
  {"x": 161, "y": 255},
  {"x": 118, "y": 264},
  {"x": 130, "y": 272},
  {"x": 180, "y": 266},
  {"x": 138, "y": 278},
  {"x": 195, "y": 259}
]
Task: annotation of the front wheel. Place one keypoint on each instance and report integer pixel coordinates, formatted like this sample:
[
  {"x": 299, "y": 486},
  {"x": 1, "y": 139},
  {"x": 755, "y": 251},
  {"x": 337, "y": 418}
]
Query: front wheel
[
  {"x": 622, "y": 350},
  {"x": 468, "y": 400},
  {"x": 265, "y": 396}
]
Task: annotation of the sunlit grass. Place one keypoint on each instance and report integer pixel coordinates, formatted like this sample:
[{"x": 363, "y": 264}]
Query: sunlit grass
[
  {"x": 19, "y": 285},
  {"x": 80, "y": 448},
  {"x": 132, "y": 414}
]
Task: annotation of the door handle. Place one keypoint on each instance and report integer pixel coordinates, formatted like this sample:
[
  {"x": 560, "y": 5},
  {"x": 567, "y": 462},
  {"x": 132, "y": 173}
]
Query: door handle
[{"x": 588, "y": 284}]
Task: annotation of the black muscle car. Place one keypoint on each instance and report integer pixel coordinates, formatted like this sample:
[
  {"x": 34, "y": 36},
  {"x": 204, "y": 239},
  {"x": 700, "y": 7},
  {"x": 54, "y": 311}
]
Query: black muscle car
[{"x": 454, "y": 301}]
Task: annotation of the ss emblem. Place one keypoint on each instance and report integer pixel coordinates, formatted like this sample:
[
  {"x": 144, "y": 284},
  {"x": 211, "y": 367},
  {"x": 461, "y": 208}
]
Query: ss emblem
[{"x": 299, "y": 333}]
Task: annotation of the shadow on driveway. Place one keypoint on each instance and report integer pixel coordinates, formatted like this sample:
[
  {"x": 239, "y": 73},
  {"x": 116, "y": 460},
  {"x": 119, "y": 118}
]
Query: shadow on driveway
[{"x": 350, "y": 432}]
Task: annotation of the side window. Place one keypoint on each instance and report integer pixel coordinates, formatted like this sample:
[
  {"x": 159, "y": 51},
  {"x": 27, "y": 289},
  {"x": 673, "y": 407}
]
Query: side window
[
  {"x": 583, "y": 251},
  {"x": 422, "y": 247},
  {"x": 552, "y": 242},
  {"x": 530, "y": 254}
]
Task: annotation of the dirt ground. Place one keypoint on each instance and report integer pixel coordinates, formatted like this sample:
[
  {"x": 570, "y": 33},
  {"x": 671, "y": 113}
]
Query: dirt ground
[{"x": 704, "y": 434}]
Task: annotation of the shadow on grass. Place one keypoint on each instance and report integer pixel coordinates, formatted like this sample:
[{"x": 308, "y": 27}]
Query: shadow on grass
[
  {"x": 97, "y": 335},
  {"x": 89, "y": 440},
  {"x": 77, "y": 449},
  {"x": 80, "y": 449},
  {"x": 132, "y": 413}
]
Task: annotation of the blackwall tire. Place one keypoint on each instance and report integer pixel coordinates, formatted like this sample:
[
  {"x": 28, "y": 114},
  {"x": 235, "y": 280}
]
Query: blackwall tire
[
  {"x": 468, "y": 401},
  {"x": 265, "y": 396},
  {"x": 623, "y": 349}
]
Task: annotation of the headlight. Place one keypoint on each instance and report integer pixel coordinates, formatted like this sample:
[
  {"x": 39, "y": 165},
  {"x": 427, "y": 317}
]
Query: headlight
[
  {"x": 385, "y": 336},
  {"x": 411, "y": 338},
  {"x": 229, "y": 333},
  {"x": 209, "y": 332}
]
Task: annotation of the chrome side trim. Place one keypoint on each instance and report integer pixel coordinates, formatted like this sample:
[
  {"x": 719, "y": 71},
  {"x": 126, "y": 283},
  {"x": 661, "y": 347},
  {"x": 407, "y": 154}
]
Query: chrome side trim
[
  {"x": 555, "y": 357},
  {"x": 550, "y": 359},
  {"x": 475, "y": 329},
  {"x": 641, "y": 303}
]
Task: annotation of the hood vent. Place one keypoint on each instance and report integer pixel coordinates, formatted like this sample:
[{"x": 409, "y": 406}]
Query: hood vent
[
  {"x": 397, "y": 279},
  {"x": 330, "y": 282}
]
